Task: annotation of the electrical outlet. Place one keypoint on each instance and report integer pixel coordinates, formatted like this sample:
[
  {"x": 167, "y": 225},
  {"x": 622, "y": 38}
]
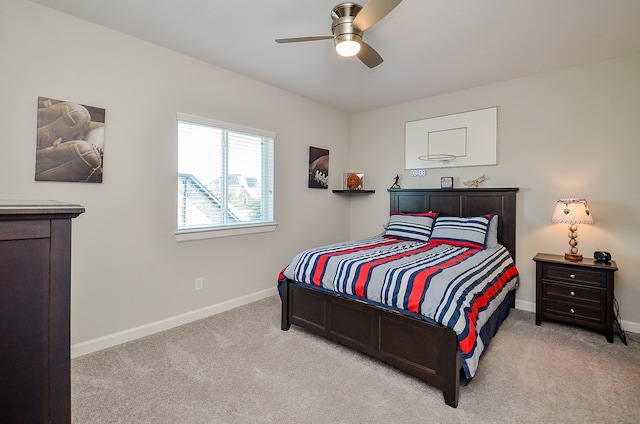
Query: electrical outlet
[{"x": 199, "y": 283}]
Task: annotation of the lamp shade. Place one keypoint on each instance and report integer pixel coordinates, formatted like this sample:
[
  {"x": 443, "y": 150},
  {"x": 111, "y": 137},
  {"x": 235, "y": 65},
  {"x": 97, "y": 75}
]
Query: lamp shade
[{"x": 572, "y": 211}]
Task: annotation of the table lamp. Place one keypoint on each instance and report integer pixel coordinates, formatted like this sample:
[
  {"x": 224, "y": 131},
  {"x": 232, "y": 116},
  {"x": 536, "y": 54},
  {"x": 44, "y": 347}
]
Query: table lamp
[{"x": 572, "y": 211}]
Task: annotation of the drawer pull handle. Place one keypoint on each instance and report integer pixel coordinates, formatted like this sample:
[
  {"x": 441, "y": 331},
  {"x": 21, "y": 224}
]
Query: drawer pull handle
[
  {"x": 572, "y": 311},
  {"x": 573, "y": 293},
  {"x": 572, "y": 276}
]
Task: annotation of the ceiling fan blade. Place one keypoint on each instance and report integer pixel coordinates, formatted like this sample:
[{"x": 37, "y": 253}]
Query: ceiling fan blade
[
  {"x": 369, "y": 56},
  {"x": 302, "y": 39},
  {"x": 374, "y": 11}
]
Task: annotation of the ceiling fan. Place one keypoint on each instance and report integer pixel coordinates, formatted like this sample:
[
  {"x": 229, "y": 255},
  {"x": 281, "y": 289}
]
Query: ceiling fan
[{"x": 350, "y": 20}]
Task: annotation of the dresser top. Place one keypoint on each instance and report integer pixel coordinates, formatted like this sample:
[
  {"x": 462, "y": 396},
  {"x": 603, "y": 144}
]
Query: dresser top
[
  {"x": 38, "y": 207},
  {"x": 585, "y": 262}
]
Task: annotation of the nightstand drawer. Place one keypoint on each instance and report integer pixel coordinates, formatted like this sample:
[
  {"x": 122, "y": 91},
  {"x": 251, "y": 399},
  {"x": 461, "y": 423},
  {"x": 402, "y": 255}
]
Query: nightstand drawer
[
  {"x": 573, "y": 294},
  {"x": 576, "y": 311},
  {"x": 573, "y": 275}
]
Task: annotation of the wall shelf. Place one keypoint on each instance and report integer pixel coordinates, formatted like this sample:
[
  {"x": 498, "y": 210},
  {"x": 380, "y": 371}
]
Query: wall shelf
[{"x": 353, "y": 191}]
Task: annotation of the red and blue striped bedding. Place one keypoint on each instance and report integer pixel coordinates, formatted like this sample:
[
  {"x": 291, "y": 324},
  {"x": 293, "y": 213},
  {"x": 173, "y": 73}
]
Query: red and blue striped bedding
[{"x": 458, "y": 287}]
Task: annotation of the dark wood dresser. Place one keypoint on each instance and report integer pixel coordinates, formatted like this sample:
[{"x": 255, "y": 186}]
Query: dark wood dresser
[
  {"x": 35, "y": 274},
  {"x": 579, "y": 293}
]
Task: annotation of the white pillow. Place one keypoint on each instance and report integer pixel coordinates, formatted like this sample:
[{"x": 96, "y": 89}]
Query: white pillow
[{"x": 492, "y": 234}]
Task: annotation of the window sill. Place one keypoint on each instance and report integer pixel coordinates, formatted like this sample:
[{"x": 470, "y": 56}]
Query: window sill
[{"x": 209, "y": 233}]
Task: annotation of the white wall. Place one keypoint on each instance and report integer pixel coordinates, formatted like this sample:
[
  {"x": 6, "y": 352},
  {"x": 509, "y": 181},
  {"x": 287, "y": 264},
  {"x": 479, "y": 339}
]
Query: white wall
[
  {"x": 571, "y": 133},
  {"x": 127, "y": 268}
]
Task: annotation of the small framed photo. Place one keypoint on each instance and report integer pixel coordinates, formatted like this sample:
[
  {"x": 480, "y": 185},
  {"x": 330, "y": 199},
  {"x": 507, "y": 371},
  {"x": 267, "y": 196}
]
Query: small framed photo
[
  {"x": 446, "y": 182},
  {"x": 353, "y": 181}
]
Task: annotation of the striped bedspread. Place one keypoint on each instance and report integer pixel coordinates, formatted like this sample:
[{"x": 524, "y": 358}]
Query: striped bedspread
[{"x": 457, "y": 287}]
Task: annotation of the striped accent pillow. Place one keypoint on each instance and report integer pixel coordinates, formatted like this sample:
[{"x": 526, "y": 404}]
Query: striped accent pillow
[
  {"x": 464, "y": 232},
  {"x": 407, "y": 226}
]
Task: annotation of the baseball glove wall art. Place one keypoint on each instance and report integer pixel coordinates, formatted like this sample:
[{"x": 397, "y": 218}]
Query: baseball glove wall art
[{"x": 70, "y": 142}]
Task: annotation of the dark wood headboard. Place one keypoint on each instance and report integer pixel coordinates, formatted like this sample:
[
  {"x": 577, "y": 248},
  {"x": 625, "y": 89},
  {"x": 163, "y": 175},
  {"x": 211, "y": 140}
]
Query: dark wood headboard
[{"x": 463, "y": 203}]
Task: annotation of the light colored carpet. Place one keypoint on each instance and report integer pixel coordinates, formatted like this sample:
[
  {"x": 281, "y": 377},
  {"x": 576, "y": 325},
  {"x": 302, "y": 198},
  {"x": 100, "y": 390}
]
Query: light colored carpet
[{"x": 239, "y": 367}]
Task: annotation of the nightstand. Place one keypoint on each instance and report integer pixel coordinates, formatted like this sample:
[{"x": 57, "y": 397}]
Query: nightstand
[{"x": 579, "y": 293}]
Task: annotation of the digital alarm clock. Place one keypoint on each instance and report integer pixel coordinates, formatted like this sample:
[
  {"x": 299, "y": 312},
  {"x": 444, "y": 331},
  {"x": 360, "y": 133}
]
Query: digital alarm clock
[{"x": 601, "y": 256}]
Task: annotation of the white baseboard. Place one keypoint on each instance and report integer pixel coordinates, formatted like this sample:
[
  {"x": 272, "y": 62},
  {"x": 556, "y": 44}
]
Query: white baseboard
[
  {"x": 630, "y": 326},
  {"x": 115, "y": 339},
  {"x": 525, "y": 305}
]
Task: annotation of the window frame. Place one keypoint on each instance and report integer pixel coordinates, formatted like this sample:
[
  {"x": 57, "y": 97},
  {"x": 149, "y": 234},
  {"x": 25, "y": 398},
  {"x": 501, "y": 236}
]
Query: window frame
[{"x": 206, "y": 232}]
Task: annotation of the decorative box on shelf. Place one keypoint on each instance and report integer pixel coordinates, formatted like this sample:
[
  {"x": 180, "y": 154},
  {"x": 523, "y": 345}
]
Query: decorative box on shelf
[{"x": 352, "y": 183}]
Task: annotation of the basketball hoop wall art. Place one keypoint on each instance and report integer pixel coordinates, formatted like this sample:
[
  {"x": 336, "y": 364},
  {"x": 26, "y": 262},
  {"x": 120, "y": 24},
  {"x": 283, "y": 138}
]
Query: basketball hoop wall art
[
  {"x": 70, "y": 142},
  {"x": 318, "y": 167},
  {"x": 457, "y": 140}
]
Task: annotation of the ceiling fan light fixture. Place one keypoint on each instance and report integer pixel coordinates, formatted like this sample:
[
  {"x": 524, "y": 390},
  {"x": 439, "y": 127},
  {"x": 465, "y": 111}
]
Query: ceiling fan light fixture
[
  {"x": 349, "y": 21},
  {"x": 348, "y": 45}
]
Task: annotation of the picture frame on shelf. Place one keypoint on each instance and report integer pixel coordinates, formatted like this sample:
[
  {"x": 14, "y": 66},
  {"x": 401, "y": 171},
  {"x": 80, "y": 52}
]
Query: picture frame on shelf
[
  {"x": 353, "y": 181},
  {"x": 446, "y": 182}
]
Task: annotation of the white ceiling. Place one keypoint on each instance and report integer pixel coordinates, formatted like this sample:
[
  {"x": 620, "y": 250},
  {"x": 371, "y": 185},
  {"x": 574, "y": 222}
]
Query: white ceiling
[{"x": 430, "y": 47}]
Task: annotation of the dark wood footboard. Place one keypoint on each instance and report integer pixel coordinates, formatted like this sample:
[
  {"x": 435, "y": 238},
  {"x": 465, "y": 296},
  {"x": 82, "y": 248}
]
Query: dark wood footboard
[{"x": 424, "y": 350}]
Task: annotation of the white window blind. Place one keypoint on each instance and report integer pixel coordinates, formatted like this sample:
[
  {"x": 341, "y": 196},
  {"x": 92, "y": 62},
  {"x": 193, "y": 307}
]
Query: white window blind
[{"x": 225, "y": 175}]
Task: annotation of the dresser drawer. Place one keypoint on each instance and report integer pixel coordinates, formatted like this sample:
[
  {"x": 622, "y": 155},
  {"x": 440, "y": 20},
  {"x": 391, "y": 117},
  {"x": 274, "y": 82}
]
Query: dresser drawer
[
  {"x": 573, "y": 310},
  {"x": 574, "y": 275},
  {"x": 573, "y": 294}
]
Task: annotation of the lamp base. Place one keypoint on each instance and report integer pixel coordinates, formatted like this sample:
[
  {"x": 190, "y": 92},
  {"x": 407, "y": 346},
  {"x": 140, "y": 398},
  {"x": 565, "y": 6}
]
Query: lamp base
[{"x": 574, "y": 257}]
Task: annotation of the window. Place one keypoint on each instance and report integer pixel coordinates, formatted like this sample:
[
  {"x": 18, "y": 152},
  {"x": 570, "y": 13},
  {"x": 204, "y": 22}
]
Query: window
[{"x": 225, "y": 178}]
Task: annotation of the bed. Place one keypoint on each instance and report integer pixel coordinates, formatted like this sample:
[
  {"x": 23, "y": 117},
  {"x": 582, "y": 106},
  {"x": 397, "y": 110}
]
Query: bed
[{"x": 400, "y": 335}]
